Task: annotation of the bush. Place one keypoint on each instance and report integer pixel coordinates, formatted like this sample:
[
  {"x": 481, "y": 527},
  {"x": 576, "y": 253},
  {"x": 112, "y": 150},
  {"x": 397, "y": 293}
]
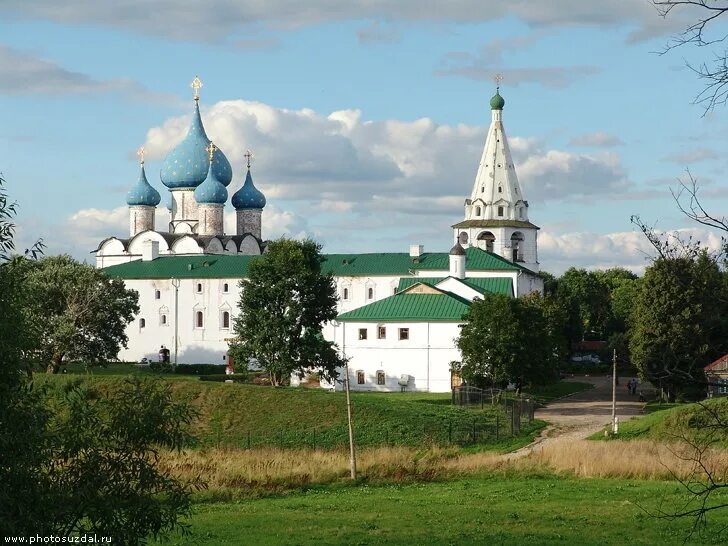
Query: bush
[
  {"x": 161, "y": 367},
  {"x": 200, "y": 369}
]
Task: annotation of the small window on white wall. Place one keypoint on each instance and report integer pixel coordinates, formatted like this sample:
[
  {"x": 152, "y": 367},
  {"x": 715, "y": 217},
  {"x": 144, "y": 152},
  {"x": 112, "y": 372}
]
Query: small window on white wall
[
  {"x": 381, "y": 378},
  {"x": 157, "y": 294},
  {"x": 225, "y": 288},
  {"x": 163, "y": 320},
  {"x": 199, "y": 288},
  {"x": 370, "y": 293},
  {"x": 199, "y": 319},
  {"x": 477, "y": 211},
  {"x": 142, "y": 323},
  {"x": 500, "y": 211},
  {"x": 403, "y": 334},
  {"x": 362, "y": 333},
  {"x": 225, "y": 320},
  {"x": 345, "y": 294},
  {"x": 360, "y": 377}
]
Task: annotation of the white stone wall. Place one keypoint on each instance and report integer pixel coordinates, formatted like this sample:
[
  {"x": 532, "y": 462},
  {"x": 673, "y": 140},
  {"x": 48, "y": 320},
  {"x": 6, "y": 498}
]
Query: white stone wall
[
  {"x": 249, "y": 221},
  {"x": 195, "y": 345},
  {"x": 425, "y": 356},
  {"x": 184, "y": 211},
  {"x": 141, "y": 218},
  {"x": 210, "y": 219}
]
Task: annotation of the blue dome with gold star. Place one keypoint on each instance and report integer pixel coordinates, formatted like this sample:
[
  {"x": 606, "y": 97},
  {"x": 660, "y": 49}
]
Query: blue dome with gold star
[
  {"x": 186, "y": 166},
  {"x": 211, "y": 191},
  {"x": 143, "y": 193},
  {"x": 248, "y": 197}
]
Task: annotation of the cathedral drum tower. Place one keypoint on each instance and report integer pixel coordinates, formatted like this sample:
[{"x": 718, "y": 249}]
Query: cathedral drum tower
[{"x": 496, "y": 215}]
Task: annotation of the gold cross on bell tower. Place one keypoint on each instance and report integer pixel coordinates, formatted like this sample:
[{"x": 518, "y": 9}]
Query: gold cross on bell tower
[
  {"x": 498, "y": 78},
  {"x": 196, "y": 85},
  {"x": 211, "y": 148},
  {"x": 140, "y": 153},
  {"x": 249, "y": 157}
]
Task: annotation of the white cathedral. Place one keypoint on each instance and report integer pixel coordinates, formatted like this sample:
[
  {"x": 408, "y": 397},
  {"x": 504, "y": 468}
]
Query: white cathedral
[{"x": 399, "y": 312}]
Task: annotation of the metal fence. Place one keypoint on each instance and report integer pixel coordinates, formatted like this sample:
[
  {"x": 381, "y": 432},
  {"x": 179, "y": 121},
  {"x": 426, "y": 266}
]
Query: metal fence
[{"x": 515, "y": 407}]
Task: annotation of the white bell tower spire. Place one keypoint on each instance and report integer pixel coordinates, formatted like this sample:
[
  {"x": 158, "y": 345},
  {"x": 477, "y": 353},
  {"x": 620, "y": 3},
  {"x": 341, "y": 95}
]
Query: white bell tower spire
[{"x": 496, "y": 215}]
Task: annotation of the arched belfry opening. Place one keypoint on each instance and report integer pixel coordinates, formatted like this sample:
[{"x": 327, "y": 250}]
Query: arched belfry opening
[
  {"x": 517, "y": 246},
  {"x": 486, "y": 240}
]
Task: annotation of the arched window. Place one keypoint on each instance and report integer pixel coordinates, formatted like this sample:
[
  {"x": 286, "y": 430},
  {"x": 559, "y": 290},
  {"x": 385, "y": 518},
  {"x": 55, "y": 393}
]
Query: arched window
[
  {"x": 346, "y": 293},
  {"x": 226, "y": 319},
  {"x": 486, "y": 239},
  {"x": 163, "y": 320},
  {"x": 142, "y": 323},
  {"x": 463, "y": 238},
  {"x": 199, "y": 319},
  {"x": 500, "y": 189},
  {"x": 199, "y": 288},
  {"x": 226, "y": 288},
  {"x": 477, "y": 211},
  {"x": 500, "y": 211},
  {"x": 157, "y": 294},
  {"x": 370, "y": 293},
  {"x": 516, "y": 246}
]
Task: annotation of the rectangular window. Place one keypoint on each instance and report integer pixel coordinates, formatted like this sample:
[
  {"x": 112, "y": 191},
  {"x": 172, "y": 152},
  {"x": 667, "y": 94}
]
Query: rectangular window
[
  {"x": 403, "y": 334},
  {"x": 157, "y": 294},
  {"x": 346, "y": 294},
  {"x": 225, "y": 288},
  {"x": 381, "y": 379},
  {"x": 362, "y": 333},
  {"x": 199, "y": 320},
  {"x": 199, "y": 288},
  {"x": 382, "y": 332},
  {"x": 360, "y": 377},
  {"x": 500, "y": 211}
]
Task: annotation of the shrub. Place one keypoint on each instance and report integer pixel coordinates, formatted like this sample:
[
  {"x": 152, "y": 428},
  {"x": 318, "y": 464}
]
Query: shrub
[{"x": 200, "y": 369}]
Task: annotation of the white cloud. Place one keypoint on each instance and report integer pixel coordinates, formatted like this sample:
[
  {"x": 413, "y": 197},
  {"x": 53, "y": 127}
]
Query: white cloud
[
  {"x": 629, "y": 249},
  {"x": 25, "y": 74},
  {"x": 692, "y": 156},
  {"x": 342, "y": 161},
  {"x": 191, "y": 19}
]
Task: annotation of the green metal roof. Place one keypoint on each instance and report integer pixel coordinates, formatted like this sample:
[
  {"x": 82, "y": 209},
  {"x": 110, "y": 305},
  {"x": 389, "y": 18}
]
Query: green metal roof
[
  {"x": 342, "y": 265},
  {"x": 495, "y": 223},
  {"x": 493, "y": 285},
  {"x": 184, "y": 267},
  {"x": 406, "y": 307},
  {"x": 401, "y": 263}
]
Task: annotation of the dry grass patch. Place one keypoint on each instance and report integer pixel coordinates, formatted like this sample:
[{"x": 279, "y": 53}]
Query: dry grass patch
[{"x": 637, "y": 459}]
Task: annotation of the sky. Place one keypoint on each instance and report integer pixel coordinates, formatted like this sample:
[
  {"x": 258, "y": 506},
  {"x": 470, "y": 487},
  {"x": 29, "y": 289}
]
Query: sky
[{"x": 367, "y": 119}]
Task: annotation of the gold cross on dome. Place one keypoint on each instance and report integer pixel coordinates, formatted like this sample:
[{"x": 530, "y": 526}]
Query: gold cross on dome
[
  {"x": 140, "y": 153},
  {"x": 196, "y": 85},
  {"x": 249, "y": 157},
  {"x": 498, "y": 78},
  {"x": 211, "y": 151}
]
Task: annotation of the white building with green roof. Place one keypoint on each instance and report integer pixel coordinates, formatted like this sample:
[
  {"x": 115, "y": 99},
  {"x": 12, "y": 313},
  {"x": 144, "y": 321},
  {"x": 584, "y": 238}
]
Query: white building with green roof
[{"x": 399, "y": 311}]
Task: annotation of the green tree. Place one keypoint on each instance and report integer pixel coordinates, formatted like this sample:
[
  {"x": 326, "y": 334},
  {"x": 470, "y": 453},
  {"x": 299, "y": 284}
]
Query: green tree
[
  {"x": 86, "y": 462},
  {"x": 77, "y": 312},
  {"x": 679, "y": 323},
  {"x": 506, "y": 340},
  {"x": 586, "y": 297},
  {"x": 284, "y": 304}
]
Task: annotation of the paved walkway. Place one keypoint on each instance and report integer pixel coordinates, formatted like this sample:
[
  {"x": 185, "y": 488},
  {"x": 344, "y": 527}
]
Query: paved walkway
[{"x": 580, "y": 415}]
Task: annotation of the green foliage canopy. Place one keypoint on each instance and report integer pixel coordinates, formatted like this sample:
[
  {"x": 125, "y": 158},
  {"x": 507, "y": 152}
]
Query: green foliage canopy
[
  {"x": 77, "y": 312},
  {"x": 284, "y": 304},
  {"x": 680, "y": 322}
]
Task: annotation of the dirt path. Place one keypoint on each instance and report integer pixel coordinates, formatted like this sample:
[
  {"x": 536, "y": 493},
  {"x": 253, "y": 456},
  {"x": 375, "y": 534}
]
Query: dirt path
[{"x": 580, "y": 415}]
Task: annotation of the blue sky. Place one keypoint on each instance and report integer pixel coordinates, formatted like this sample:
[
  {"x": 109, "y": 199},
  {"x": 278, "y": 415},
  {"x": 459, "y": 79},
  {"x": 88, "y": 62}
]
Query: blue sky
[{"x": 600, "y": 124}]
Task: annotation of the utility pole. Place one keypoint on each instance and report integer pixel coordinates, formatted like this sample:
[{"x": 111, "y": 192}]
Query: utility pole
[
  {"x": 352, "y": 452},
  {"x": 615, "y": 423},
  {"x": 175, "y": 283}
]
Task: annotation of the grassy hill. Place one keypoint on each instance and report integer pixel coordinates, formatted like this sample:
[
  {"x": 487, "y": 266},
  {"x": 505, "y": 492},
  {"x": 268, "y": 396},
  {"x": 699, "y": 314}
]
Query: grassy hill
[
  {"x": 241, "y": 415},
  {"x": 669, "y": 421}
]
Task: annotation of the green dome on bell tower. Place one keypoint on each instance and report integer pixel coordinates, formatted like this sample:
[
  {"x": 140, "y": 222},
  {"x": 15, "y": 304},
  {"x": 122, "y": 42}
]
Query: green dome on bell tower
[{"x": 497, "y": 102}]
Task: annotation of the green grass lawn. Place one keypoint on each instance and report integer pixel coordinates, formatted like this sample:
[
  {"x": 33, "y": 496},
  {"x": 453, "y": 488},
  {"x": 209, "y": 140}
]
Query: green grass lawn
[
  {"x": 498, "y": 510},
  {"x": 241, "y": 415}
]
